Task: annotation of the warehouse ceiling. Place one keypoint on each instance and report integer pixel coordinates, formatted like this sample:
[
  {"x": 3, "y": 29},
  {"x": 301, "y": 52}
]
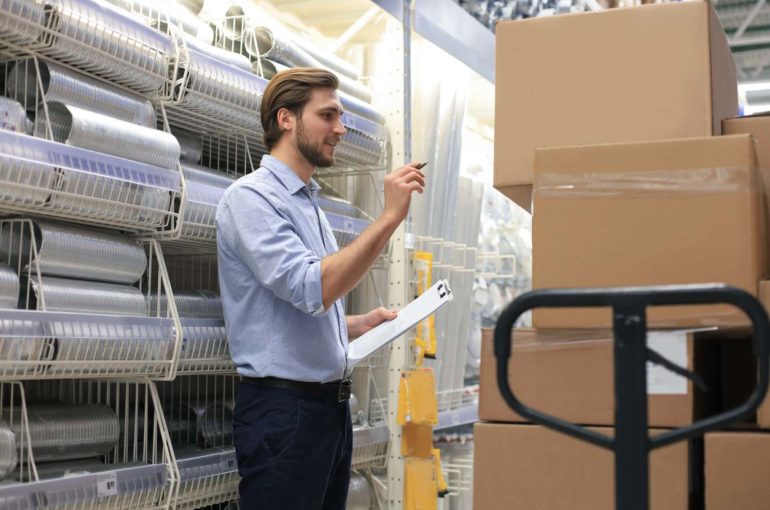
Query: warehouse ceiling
[{"x": 747, "y": 25}]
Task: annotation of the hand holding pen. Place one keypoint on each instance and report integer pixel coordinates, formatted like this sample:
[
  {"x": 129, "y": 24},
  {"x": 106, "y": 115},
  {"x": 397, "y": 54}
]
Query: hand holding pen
[{"x": 398, "y": 187}]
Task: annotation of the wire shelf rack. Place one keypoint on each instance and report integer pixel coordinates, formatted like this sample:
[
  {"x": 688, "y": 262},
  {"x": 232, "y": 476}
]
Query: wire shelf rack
[
  {"x": 94, "y": 38},
  {"x": 204, "y": 347},
  {"x": 56, "y": 333},
  {"x": 198, "y": 412},
  {"x": 224, "y": 96},
  {"x": 51, "y": 179},
  {"x": 370, "y": 447},
  {"x": 134, "y": 465}
]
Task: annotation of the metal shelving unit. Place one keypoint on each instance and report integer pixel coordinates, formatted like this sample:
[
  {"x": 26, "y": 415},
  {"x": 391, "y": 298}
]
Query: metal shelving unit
[
  {"x": 134, "y": 72},
  {"x": 128, "y": 459}
]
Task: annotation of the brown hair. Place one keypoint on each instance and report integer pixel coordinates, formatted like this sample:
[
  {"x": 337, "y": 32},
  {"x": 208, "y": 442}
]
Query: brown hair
[{"x": 290, "y": 89}]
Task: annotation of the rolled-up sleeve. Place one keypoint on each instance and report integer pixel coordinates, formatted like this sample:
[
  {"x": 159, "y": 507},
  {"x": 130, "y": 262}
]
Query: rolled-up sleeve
[{"x": 267, "y": 242}]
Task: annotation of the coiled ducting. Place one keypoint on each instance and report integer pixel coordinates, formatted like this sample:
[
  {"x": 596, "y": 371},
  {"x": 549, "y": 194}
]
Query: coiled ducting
[
  {"x": 21, "y": 22},
  {"x": 226, "y": 93},
  {"x": 8, "y": 449},
  {"x": 97, "y": 132},
  {"x": 73, "y": 252},
  {"x": 62, "y": 85},
  {"x": 359, "y": 493},
  {"x": 13, "y": 117},
  {"x": 193, "y": 304},
  {"x": 109, "y": 42},
  {"x": 9, "y": 287},
  {"x": 59, "y": 431},
  {"x": 64, "y": 295},
  {"x": 267, "y": 44},
  {"x": 190, "y": 145},
  {"x": 24, "y": 182}
]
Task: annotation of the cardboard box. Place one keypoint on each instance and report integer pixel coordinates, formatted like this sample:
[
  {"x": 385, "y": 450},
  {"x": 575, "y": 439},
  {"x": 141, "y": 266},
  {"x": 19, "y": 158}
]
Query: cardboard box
[
  {"x": 759, "y": 127},
  {"x": 569, "y": 374},
  {"x": 667, "y": 73},
  {"x": 533, "y": 468},
  {"x": 736, "y": 468},
  {"x": 648, "y": 213}
]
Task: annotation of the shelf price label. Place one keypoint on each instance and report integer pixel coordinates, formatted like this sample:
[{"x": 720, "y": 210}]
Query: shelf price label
[{"x": 106, "y": 484}]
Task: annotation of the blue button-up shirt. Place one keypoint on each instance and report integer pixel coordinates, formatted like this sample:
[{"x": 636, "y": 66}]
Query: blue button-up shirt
[{"x": 271, "y": 237}]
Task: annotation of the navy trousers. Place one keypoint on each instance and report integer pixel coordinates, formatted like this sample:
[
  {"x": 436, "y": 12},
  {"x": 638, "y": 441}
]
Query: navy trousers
[{"x": 293, "y": 450}]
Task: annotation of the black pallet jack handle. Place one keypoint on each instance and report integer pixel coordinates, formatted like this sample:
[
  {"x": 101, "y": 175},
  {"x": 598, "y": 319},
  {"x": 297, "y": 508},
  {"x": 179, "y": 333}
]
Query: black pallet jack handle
[{"x": 632, "y": 443}]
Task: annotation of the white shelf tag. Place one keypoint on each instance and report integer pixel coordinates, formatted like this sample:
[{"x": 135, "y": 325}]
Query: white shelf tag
[
  {"x": 673, "y": 347},
  {"x": 106, "y": 484}
]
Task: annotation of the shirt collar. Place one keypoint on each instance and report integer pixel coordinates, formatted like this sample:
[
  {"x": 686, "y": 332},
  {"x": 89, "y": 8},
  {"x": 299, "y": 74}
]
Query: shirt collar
[{"x": 286, "y": 175}]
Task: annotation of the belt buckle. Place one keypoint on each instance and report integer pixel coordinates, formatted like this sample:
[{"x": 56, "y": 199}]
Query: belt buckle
[{"x": 343, "y": 390}]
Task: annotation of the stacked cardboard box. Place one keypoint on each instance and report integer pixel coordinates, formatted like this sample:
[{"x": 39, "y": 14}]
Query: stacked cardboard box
[{"x": 616, "y": 151}]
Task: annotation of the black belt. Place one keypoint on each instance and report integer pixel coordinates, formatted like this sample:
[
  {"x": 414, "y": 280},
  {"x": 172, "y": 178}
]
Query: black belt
[{"x": 335, "y": 390}]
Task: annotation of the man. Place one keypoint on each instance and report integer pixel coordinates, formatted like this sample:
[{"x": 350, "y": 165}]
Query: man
[{"x": 282, "y": 280}]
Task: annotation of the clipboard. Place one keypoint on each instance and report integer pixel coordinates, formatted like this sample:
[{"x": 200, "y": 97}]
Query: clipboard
[{"x": 408, "y": 317}]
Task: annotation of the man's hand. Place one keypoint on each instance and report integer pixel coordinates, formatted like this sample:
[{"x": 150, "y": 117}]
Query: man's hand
[
  {"x": 398, "y": 187},
  {"x": 360, "y": 324}
]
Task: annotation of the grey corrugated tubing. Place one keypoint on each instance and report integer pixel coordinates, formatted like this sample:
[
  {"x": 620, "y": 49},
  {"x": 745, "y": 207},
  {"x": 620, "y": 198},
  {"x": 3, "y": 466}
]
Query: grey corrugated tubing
[
  {"x": 273, "y": 47},
  {"x": 65, "y": 295},
  {"x": 61, "y": 431},
  {"x": 9, "y": 288},
  {"x": 122, "y": 38},
  {"x": 267, "y": 38},
  {"x": 8, "y": 450},
  {"x": 21, "y": 33},
  {"x": 88, "y": 254},
  {"x": 228, "y": 57},
  {"x": 190, "y": 145},
  {"x": 62, "y": 85},
  {"x": 205, "y": 175},
  {"x": 17, "y": 166},
  {"x": 359, "y": 493},
  {"x": 194, "y": 304},
  {"x": 97, "y": 132},
  {"x": 13, "y": 117}
]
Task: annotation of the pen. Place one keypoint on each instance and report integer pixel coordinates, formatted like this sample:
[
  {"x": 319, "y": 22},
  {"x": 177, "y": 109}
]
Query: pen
[{"x": 418, "y": 166}]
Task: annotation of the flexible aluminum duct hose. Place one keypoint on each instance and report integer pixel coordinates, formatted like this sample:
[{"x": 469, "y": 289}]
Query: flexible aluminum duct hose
[
  {"x": 190, "y": 145},
  {"x": 215, "y": 425},
  {"x": 62, "y": 85},
  {"x": 222, "y": 91},
  {"x": 110, "y": 42},
  {"x": 204, "y": 175},
  {"x": 97, "y": 132},
  {"x": 261, "y": 41},
  {"x": 194, "y": 304},
  {"x": 61, "y": 431},
  {"x": 79, "y": 253},
  {"x": 358, "y": 107},
  {"x": 64, "y": 295},
  {"x": 266, "y": 68},
  {"x": 22, "y": 181},
  {"x": 21, "y": 21},
  {"x": 161, "y": 13},
  {"x": 8, "y": 450},
  {"x": 266, "y": 44},
  {"x": 194, "y": 6},
  {"x": 228, "y": 57},
  {"x": 9, "y": 289},
  {"x": 349, "y": 103},
  {"x": 359, "y": 493},
  {"x": 13, "y": 117},
  {"x": 333, "y": 62}
]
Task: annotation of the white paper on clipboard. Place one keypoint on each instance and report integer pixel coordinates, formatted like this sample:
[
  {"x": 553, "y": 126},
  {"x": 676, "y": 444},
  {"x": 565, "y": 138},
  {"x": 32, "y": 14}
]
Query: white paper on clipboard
[{"x": 408, "y": 317}]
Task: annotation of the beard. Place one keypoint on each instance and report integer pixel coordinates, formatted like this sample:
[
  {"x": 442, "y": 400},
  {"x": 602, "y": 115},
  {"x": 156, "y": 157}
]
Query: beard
[{"x": 313, "y": 152}]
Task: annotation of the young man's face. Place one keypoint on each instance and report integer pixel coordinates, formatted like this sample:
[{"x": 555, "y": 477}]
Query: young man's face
[{"x": 320, "y": 128}]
